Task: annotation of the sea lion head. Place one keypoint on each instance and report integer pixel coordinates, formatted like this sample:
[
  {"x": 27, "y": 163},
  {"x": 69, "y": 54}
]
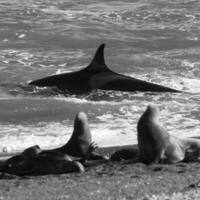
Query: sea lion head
[
  {"x": 152, "y": 112},
  {"x": 80, "y": 123},
  {"x": 31, "y": 152},
  {"x": 81, "y": 128}
]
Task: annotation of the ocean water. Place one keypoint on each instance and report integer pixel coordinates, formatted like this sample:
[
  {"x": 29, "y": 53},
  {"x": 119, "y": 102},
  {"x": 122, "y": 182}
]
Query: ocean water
[{"x": 153, "y": 40}]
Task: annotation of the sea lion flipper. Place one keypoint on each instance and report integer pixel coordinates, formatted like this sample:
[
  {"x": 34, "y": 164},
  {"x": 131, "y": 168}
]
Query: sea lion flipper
[
  {"x": 93, "y": 155},
  {"x": 92, "y": 147}
]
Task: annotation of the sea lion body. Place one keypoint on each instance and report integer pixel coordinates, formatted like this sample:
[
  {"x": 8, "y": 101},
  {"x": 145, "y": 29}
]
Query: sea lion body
[
  {"x": 81, "y": 138},
  {"x": 175, "y": 151},
  {"x": 152, "y": 137},
  {"x": 53, "y": 163},
  {"x": 126, "y": 154},
  {"x": 19, "y": 163},
  {"x": 80, "y": 144},
  {"x": 20, "y": 159},
  {"x": 41, "y": 163},
  {"x": 156, "y": 145}
]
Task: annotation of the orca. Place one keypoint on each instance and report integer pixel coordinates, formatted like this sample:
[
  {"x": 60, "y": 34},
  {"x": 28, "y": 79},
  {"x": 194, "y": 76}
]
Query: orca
[{"x": 95, "y": 76}]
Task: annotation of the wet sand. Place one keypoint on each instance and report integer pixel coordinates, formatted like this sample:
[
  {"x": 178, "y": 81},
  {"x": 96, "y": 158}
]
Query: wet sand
[{"x": 109, "y": 180}]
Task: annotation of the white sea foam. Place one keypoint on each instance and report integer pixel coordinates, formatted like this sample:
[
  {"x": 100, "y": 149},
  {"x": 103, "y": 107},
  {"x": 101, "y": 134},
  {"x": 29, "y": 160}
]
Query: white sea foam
[
  {"x": 161, "y": 43},
  {"x": 18, "y": 137},
  {"x": 55, "y": 134},
  {"x": 70, "y": 14},
  {"x": 187, "y": 63},
  {"x": 191, "y": 84},
  {"x": 110, "y": 129},
  {"x": 85, "y": 101},
  {"x": 112, "y": 125}
]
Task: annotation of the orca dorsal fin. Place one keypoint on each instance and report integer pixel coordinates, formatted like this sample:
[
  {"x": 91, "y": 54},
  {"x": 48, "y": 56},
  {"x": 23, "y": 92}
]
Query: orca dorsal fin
[{"x": 98, "y": 62}]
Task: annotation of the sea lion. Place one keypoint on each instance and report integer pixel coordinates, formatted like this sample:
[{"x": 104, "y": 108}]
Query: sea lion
[
  {"x": 156, "y": 145},
  {"x": 80, "y": 141},
  {"x": 81, "y": 138},
  {"x": 19, "y": 162},
  {"x": 19, "y": 159},
  {"x": 33, "y": 161},
  {"x": 51, "y": 163},
  {"x": 131, "y": 153},
  {"x": 192, "y": 149}
]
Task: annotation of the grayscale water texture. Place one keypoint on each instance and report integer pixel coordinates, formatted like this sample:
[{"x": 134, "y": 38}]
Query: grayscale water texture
[{"x": 153, "y": 40}]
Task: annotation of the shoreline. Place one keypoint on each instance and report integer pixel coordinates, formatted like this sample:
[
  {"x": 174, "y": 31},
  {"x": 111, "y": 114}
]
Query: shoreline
[{"x": 109, "y": 180}]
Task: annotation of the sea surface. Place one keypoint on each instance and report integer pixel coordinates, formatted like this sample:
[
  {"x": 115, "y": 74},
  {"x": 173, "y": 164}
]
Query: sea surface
[{"x": 153, "y": 40}]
